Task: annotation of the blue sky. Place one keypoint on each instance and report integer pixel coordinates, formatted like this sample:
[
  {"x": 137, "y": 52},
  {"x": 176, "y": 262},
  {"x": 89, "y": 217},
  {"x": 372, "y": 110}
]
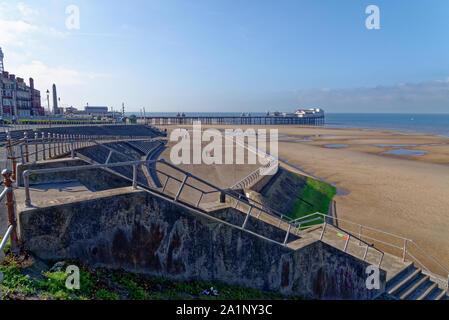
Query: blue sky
[{"x": 219, "y": 55}]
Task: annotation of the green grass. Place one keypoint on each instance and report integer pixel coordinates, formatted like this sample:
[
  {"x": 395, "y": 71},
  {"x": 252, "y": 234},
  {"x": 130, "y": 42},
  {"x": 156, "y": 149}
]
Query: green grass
[
  {"x": 317, "y": 193},
  {"x": 104, "y": 284}
]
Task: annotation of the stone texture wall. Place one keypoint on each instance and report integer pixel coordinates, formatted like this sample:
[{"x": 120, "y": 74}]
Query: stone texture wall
[
  {"x": 96, "y": 179},
  {"x": 143, "y": 233}
]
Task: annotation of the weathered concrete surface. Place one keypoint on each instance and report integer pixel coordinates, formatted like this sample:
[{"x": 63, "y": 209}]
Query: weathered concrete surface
[
  {"x": 140, "y": 232},
  {"x": 95, "y": 179},
  {"x": 281, "y": 191}
]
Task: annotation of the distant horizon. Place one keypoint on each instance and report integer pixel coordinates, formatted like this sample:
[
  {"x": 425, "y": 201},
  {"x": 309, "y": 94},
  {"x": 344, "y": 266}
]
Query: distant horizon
[
  {"x": 232, "y": 56},
  {"x": 257, "y": 112}
]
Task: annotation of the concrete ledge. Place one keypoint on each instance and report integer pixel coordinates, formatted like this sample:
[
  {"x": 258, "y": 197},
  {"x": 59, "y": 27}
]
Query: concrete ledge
[{"x": 95, "y": 179}]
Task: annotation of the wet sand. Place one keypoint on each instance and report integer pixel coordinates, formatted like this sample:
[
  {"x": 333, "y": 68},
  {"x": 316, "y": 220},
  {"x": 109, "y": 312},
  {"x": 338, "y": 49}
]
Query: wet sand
[{"x": 406, "y": 195}]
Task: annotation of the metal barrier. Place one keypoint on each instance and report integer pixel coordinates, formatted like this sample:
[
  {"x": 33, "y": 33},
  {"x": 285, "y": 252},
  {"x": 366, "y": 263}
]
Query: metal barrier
[
  {"x": 253, "y": 177},
  {"x": 50, "y": 146},
  {"x": 11, "y": 233},
  {"x": 406, "y": 248},
  {"x": 184, "y": 182}
]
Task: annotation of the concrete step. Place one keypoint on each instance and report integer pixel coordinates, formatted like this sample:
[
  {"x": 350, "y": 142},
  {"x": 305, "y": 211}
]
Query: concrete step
[
  {"x": 407, "y": 281},
  {"x": 423, "y": 289},
  {"x": 435, "y": 294},
  {"x": 400, "y": 276},
  {"x": 410, "y": 286},
  {"x": 414, "y": 287},
  {"x": 427, "y": 291},
  {"x": 442, "y": 296}
]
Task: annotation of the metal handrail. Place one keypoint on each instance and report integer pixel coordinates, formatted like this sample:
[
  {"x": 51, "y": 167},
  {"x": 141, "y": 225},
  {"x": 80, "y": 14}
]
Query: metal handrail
[
  {"x": 28, "y": 173},
  {"x": 251, "y": 175},
  {"x": 6, "y": 237},
  {"x": 283, "y": 216},
  {"x": 226, "y": 192},
  {"x": 404, "y": 249},
  {"x": 4, "y": 192},
  {"x": 350, "y": 235}
]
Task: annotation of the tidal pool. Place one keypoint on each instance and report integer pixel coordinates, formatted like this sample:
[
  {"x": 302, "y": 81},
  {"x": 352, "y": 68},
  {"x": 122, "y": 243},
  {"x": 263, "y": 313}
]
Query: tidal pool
[
  {"x": 405, "y": 152},
  {"x": 337, "y": 146}
]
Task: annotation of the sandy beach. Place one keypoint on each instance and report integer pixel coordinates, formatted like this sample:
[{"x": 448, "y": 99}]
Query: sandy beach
[{"x": 407, "y": 195}]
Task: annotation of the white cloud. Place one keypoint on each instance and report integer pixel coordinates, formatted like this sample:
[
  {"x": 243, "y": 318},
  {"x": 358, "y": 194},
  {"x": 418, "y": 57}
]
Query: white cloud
[
  {"x": 19, "y": 25},
  {"x": 26, "y": 11},
  {"x": 12, "y": 32},
  {"x": 44, "y": 76}
]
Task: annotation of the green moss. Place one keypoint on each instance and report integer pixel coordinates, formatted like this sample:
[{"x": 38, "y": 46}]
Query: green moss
[{"x": 315, "y": 197}]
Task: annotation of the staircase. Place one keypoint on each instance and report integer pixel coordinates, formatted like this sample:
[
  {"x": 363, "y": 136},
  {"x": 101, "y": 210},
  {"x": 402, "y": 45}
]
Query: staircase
[{"x": 412, "y": 284}]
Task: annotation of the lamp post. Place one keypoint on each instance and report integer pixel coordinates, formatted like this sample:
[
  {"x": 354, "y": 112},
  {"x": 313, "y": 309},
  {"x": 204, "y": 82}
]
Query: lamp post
[{"x": 48, "y": 103}]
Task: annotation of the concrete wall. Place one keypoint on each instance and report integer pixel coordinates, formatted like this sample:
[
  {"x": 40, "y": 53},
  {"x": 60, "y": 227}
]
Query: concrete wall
[
  {"x": 142, "y": 233},
  {"x": 96, "y": 179}
]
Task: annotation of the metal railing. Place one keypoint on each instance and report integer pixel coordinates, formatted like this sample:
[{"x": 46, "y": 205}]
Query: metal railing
[
  {"x": 11, "y": 232},
  {"x": 253, "y": 177},
  {"x": 61, "y": 123},
  {"x": 184, "y": 182},
  {"x": 50, "y": 146},
  {"x": 404, "y": 245}
]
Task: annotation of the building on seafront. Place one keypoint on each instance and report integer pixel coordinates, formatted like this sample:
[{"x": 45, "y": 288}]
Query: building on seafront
[{"x": 17, "y": 99}]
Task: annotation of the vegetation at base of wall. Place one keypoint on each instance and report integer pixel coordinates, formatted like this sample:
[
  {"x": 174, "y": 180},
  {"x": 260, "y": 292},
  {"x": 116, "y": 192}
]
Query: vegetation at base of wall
[
  {"x": 104, "y": 284},
  {"x": 317, "y": 196}
]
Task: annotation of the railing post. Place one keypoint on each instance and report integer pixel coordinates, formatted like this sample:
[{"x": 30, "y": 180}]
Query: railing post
[
  {"x": 54, "y": 145},
  {"x": 347, "y": 243},
  {"x": 26, "y": 182},
  {"x": 72, "y": 147},
  {"x": 11, "y": 212},
  {"x": 134, "y": 176},
  {"x": 11, "y": 155},
  {"x": 109, "y": 157},
  {"x": 181, "y": 187},
  {"x": 36, "y": 147},
  {"x": 165, "y": 184},
  {"x": 25, "y": 135},
  {"x": 58, "y": 139},
  {"x": 49, "y": 145},
  {"x": 43, "y": 146},
  {"x": 322, "y": 232},
  {"x": 288, "y": 233},
  {"x": 366, "y": 253},
  {"x": 381, "y": 259},
  {"x": 247, "y": 216},
  {"x": 21, "y": 154},
  {"x": 404, "y": 254},
  {"x": 199, "y": 201}
]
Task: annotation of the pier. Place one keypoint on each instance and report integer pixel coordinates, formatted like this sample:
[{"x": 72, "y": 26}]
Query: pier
[{"x": 236, "y": 120}]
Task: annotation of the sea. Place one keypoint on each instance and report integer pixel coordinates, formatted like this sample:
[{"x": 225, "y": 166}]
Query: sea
[{"x": 437, "y": 124}]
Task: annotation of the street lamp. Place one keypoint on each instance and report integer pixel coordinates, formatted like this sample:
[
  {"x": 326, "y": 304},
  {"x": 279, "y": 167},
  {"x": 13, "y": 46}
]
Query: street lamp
[{"x": 48, "y": 103}]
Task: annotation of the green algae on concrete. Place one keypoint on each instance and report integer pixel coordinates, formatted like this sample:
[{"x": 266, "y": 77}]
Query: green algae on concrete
[{"x": 316, "y": 196}]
